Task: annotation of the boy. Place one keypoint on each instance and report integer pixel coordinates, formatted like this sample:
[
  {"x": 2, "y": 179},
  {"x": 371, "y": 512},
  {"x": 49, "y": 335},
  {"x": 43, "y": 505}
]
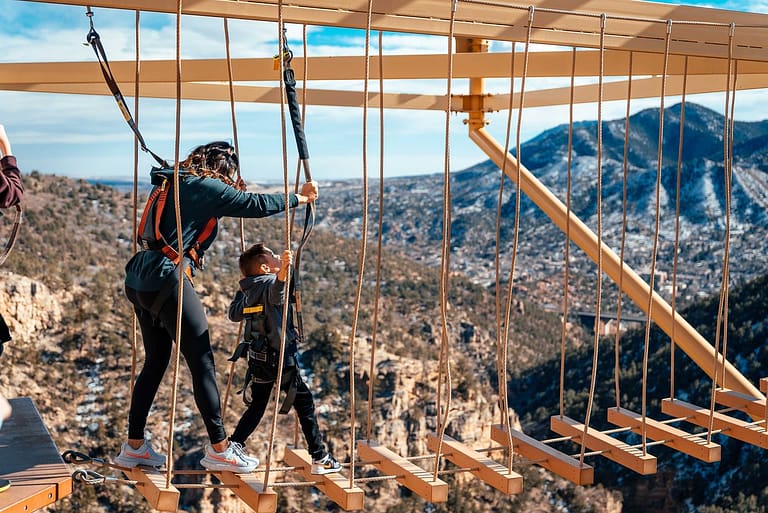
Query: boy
[{"x": 260, "y": 302}]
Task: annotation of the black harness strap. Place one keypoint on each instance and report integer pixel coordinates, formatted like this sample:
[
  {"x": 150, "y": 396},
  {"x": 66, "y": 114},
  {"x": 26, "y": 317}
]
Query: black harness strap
[
  {"x": 94, "y": 41},
  {"x": 289, "y": 79}
]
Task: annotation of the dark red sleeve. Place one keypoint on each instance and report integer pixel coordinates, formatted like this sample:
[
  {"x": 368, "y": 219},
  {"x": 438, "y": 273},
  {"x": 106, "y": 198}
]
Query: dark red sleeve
[{"x": 11, "y": 189}]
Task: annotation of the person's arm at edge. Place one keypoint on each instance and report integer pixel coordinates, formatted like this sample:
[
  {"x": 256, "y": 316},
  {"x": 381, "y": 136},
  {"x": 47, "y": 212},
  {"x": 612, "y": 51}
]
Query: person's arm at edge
[
  {"x": 236, "y": 203},
  {"x": 11, "y": 188}
]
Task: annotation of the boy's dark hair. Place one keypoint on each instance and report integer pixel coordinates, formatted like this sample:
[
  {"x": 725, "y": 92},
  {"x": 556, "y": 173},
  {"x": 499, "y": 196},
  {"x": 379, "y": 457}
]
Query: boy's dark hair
[{"x": 252, "y": 258}]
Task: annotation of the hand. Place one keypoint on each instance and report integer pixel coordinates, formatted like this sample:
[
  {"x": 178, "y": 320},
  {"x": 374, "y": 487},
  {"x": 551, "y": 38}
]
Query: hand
[
  {"x": 240, "y": 184},
  {"x": 5, "y": 143},
  {"x": 309, "y": 192},
  {"x": 286, "y": 259}
]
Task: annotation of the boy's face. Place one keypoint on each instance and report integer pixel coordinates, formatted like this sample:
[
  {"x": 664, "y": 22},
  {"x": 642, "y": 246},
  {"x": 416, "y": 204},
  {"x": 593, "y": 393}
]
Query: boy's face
[{"x": 272, "y": 264}]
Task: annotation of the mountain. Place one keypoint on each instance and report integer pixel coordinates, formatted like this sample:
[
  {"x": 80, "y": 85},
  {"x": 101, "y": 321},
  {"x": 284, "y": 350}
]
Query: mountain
[
  {"x": 61, "y": 290},
  {"x": 413, "y": 207}
]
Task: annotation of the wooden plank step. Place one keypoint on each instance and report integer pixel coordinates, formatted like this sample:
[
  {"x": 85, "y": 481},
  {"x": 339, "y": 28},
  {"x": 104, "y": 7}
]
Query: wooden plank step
[
  {"x": 31, "y": 460},
  {"x": 752, "y": 406},
  {"x": 335, "y": 486},
  {"x": 483, "y": 467},
  {"x": 150, "y": 483},
  {"x": 413, "y": 477},
  {"x": 673, "y": 437},
  {"x": 611, "y": 448},
  {"x": 754, "y": 434},
  {"x": 545, "y": 456},
  {"x": 764, "y": 385},
  {"x": 250, "y": 489}
]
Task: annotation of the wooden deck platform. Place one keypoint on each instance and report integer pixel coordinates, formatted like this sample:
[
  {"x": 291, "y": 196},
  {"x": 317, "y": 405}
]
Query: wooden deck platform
[
  {"x": 609, "y": 447},
  {"x": 693, "y": 445},
  {"x": 31, "y": 460},
  {"x": 751, "y": 433},
  {"x": 335, "y": 486},
  {"x": 479, "y": 465},
  {"x": 545, "y": 456}
]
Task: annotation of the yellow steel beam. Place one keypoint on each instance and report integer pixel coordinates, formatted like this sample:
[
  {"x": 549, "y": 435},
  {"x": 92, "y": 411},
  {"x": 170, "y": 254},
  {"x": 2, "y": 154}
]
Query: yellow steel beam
[
  {"x": 687, "y": 338},
  {"x": 396, "y": 67},
  {"x": 638, "y": 26},
  {"x": 612, "y": 91}
]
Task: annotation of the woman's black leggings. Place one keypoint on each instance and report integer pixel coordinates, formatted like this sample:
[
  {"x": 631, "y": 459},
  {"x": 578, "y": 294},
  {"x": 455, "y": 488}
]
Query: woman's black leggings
[{"x": 158, "y": 336}]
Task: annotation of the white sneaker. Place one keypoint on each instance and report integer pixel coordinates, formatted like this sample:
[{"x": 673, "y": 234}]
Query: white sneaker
[
  {"x": 144, "y": 455},
  {"x": 325, "y": 465},
  {"x": 233, "y": 458}
]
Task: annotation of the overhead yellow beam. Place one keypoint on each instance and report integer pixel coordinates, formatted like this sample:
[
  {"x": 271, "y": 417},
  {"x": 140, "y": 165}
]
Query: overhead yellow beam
[
  {"x": 396, "y": 67},
  {"x": 612, "y": 91},
  {"x": 638, "y": 26}
]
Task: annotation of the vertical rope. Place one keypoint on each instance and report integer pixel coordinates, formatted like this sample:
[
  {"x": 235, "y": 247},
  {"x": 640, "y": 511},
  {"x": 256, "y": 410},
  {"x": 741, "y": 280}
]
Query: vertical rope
[
  {"x": 657, "y": 227},
  {"x": 516, "y": 235},
  {"x": 501, "y": 349},
  {"x": 724, "y": 283},
  {"x": 728, "y": 192},
  {"x": 134, "y": 229},
  {"x": 593, "y": 380},
  {"x": 287, "y": 245},
  {"x": 379, "y": 243},
  {"x": 363, "y": 250},
  {"x": 677, "y": 232},
  {"x": 180, "y": 296},
  {"x": 625, "y": 169},
  {"x": 241, "y": 223},
  {"x": 444, "y": 364},
  {"x": 567, "y": 249}
]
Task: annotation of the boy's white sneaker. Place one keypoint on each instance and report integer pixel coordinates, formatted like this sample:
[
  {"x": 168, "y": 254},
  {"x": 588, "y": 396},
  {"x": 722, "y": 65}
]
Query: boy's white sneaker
[
  {"x": 325, "y": 465},
  {"x": 233, "y": 458},
  {"x": 144, "y": 455}
]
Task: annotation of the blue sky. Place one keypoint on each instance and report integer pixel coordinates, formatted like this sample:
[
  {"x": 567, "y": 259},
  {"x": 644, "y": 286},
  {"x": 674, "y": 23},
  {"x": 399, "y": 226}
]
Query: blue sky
[{"x": 85, "y": 136}]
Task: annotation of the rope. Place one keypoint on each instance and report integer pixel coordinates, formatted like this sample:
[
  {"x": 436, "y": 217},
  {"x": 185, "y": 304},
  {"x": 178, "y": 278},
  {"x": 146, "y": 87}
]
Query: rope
[
  {"x": 722, "y": 323},
  {"x": 286, "y": 290},
  {"x": 657, "y": 227},
  {"x": 728, "y": 183},
  {"x": 379, "y": 243},
  {"x": 443, "y": 359},
  {"x": 503, "y": 411},
  {"x": 501, "y": 346},
  {"x": 593, "y": 380},
  {"x": 677, "y": 231},
  {"x": 177, "y": 209},
  {"x": 13, "y": 235},
  {"x": 241, "y": 221},
  {"x": 363, "y": 249},
  {"x": 566, "y": 271},
  {"x": 134, "y": 218},
  {"x": 516, "y": 236},
  {"x": 625, "y": 170}
]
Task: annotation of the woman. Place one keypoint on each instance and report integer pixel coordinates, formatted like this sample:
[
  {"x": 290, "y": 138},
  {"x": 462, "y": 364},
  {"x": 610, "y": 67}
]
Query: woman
[{"x": 207, "y": 191}]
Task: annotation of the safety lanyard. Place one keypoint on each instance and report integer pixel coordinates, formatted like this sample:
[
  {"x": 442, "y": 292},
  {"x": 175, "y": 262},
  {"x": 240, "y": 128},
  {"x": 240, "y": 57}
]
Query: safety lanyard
[{"x": 94, "y": 41}]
